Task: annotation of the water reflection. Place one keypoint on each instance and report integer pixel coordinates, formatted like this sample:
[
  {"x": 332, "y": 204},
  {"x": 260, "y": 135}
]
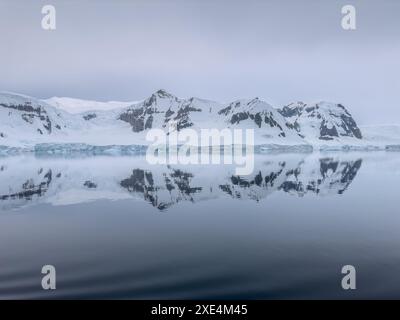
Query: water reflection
[
  {"x": 284, "y": 231},
  {"x": 29, "y": 189},
  {"x": 70, "y": 181}
]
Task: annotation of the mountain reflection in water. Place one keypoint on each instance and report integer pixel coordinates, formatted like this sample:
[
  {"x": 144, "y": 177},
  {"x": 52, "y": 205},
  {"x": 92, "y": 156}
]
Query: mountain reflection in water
[
  {"x": 285, "y": 231},
  {"x": 71, "y": 181}
]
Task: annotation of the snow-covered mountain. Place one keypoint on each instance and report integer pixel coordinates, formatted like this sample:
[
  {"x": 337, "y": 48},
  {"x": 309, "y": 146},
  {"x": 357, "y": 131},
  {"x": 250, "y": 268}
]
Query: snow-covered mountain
[
  {"x": 26, "y": 122},
  {"x": 321, "y": 121},
  {"x": 257, "y": 114},
  {"x": 24, "y": 119},
  {"x": 161, "y": 108},
  {"x": 129, "y": 125}
]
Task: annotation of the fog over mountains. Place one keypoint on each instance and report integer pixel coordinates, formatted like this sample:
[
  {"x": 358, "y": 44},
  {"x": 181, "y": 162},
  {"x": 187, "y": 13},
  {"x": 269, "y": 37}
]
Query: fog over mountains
[{"x": 27, "y": 123}]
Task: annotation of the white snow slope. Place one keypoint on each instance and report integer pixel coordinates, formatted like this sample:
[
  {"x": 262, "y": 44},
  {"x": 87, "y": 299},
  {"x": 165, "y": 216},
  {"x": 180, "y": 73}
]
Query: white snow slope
[{"x": 74, "y": 106}]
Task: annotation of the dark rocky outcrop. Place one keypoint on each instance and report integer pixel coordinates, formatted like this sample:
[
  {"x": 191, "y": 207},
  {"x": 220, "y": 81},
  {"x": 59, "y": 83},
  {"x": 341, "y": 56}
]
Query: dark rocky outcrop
[
  {"x": 90, "y": 185},
  {"x": 30, "y": 113},
  {"x": 332, "y": 120},
  {"x": 89, "y": 116}
]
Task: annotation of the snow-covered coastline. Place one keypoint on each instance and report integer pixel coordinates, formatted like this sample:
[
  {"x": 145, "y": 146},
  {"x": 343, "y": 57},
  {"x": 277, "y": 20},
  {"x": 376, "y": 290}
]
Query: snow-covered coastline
[{"x": 57, "y": 125}]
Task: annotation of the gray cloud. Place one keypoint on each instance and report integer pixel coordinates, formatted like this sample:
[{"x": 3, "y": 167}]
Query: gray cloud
[{"x": 222, "y": 50}]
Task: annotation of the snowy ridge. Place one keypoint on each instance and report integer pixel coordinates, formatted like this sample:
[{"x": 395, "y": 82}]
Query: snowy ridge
[
  {"x": 27, "y": 123},
  {"x": 74, "y": 106}
]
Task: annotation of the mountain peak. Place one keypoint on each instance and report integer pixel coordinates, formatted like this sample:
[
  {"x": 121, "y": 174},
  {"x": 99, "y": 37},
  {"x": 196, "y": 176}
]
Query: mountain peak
[{"x": 161, "y": 93}]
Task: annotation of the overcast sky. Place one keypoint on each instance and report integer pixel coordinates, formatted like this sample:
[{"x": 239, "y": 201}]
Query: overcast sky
[{"x": 280, "y": 51}]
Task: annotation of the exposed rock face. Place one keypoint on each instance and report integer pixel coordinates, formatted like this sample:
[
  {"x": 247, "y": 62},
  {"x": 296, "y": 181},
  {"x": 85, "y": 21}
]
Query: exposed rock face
[
  {"x": 89, "y": 116},
  {"x": 141, "y": 116},
  {"x": 162, "y": 108},
  {"x": 323, "y": 121},
  {"x": 256, "y": 111},
  {"x": 90, "y": 185},
  {"x": 182, "y": 117},
  {"x": 158, "y": 111},
  {"x": 136, "y": 118},
  {"x": 349, "y": 125},
  {"x": 29, "y": 114},
  {"x": 23, "y": 117}
]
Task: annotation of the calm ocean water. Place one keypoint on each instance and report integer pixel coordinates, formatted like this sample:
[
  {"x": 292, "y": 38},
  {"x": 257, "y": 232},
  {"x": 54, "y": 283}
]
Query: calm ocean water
[{"x": 116, "y": 227}]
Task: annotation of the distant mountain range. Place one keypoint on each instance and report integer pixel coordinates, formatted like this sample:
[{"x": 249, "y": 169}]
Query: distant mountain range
[{"x": 27, "y": 122}]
